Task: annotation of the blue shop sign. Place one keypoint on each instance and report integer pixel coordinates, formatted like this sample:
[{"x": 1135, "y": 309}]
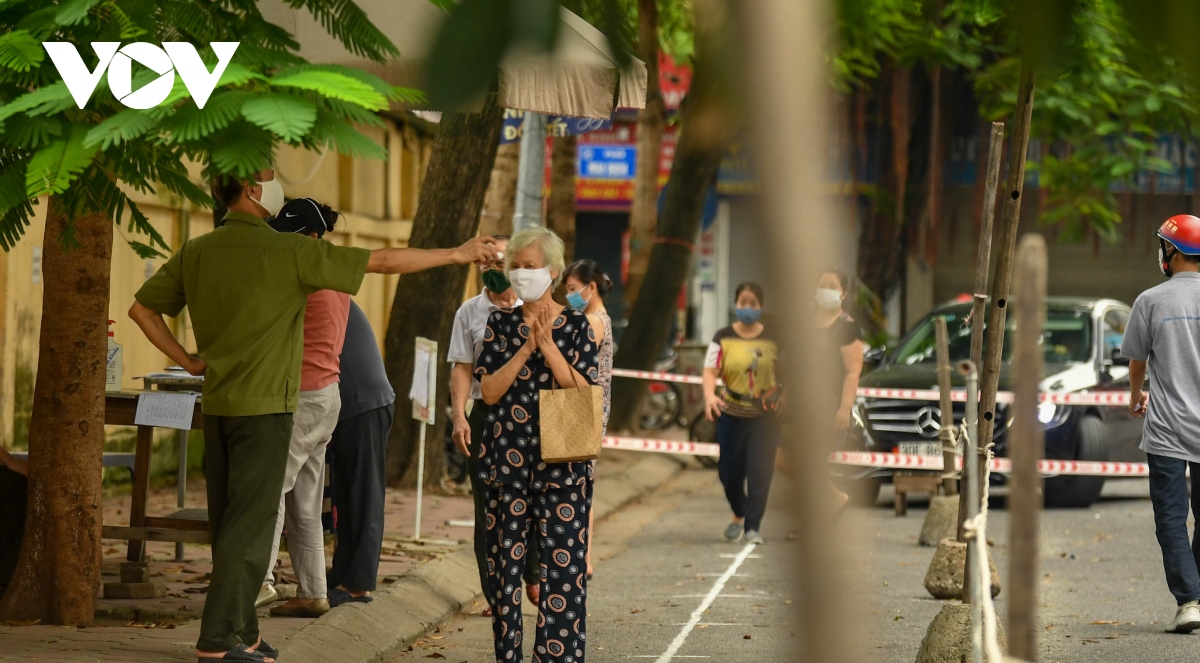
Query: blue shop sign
[{"x": 607, "y": 162}]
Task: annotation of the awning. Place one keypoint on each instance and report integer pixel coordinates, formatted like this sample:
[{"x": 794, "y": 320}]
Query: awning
[{"x": 579, "y": 78}]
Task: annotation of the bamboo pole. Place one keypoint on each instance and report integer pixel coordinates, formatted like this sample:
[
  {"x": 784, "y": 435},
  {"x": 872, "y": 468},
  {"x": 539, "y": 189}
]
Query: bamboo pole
[
  {"x": 1006, "y": 244},
  {"x": 983, "y": 261},
  {"x": 1025, "y": 448},
  {"x": 946, "y": 434}
]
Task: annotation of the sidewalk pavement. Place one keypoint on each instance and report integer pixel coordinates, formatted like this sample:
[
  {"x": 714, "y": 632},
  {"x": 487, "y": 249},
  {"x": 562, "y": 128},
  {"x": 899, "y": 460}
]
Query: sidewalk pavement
[{"x": 421, "y": 583}]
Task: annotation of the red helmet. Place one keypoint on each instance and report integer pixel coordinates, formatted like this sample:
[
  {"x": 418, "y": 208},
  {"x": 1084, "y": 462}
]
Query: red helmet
[{"x": 1183, "y": 232}]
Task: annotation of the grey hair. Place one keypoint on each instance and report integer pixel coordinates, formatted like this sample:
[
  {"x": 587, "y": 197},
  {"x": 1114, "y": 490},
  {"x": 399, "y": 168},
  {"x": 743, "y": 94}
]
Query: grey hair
[{"x": 550, "y": 244}]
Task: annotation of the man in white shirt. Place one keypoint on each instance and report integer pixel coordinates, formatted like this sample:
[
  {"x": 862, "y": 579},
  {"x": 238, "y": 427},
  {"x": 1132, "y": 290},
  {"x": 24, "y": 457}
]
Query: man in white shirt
[{"x": 466, "y": 342}]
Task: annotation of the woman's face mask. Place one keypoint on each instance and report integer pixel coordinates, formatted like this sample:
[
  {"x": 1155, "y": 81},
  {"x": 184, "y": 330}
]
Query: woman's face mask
[
  {"x": 576, "y": 301},
  {"x": 828, "y": 298},
  {"x": 530, "y": 284},
  {"x": 748, "y": 315}
]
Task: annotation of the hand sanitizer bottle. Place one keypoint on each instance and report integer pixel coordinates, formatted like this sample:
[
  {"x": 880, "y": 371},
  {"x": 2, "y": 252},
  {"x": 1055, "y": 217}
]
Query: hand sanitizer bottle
[{"x": 113, "y": 382}]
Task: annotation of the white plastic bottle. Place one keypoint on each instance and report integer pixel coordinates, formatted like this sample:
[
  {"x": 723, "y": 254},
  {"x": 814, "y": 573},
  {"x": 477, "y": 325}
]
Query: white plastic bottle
[{"x": 115, "y": 358}]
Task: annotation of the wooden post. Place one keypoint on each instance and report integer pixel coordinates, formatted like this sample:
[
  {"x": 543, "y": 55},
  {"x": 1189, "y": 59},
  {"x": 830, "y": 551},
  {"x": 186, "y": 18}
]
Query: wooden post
[
  {"x": 1006, "y": 241},
  {"x": 1025, "y": 442},
  {"x": 983, "y": 261},
  {"x": 946, "y": 434}
]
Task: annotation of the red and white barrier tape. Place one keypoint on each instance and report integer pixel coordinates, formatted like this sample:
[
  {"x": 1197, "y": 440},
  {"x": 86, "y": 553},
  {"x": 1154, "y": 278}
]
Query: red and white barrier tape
[
  {"x": 1001, "y": 465},
  {"x": 662, "y": 446},
  {"x": 889, "y": 461},
  {"x": 1113, "y": 398}
]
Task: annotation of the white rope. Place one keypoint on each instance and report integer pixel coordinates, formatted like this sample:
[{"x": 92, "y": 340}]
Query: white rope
[{"x": 976, "y": 528}]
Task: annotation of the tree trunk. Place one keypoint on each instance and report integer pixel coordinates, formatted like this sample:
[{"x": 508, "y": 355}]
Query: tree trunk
[
  {"x": 447, "y": 215},
  {"x": 560, "y": 214},
  {"x": 643, "y": 216},
  {"x": 501, "y": 198},
  {"x": 701, "y": 144},
  {"x": 58, "y": 573}
]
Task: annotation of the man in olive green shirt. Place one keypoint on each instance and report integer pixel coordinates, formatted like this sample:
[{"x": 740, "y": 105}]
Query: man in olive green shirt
[{"x": 246, "y": 287}]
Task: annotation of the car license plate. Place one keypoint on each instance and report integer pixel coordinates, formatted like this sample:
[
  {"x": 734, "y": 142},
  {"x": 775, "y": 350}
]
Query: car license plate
[{"x": 921, "y": 448}]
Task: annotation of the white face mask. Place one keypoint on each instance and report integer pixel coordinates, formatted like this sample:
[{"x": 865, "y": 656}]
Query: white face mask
[
  {"x": 828, "y": 298},
  {"x": 530, "y": 284},
  {"x": 271, "y": 197}
]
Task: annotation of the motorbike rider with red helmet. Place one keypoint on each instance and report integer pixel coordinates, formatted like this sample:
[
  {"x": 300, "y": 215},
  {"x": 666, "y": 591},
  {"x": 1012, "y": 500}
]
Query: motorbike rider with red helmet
[{"x": 1163, "y": 335}]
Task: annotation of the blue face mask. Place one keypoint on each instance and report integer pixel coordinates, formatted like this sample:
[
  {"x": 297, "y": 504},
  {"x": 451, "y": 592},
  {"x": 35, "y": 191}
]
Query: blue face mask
[
  {"x": 748, "y": 316},
  {"x": 576, "y": 301}
]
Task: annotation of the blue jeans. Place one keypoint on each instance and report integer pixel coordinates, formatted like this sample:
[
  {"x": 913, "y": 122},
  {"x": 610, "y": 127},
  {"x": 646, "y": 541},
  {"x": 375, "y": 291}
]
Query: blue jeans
[
  {"x": 747, "y": 463},
  {"x": 1169, "y": 495}
]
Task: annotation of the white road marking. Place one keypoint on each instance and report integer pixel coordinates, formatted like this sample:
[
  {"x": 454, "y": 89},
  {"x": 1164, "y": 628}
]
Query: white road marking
[
  {"x": 698, "y": 613},
  {"x": 722, "y": 596},
  {"x": 739, "y": 555}
]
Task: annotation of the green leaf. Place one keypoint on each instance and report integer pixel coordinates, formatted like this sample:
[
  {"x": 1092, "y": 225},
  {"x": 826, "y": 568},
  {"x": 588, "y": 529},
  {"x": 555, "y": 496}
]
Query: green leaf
[
  {"x": 20, "y": 51},
  {"x": 236, "y": 74},
  {"x": 1153, "y": 103},
  {"x": 30, "y": 133},
  {"x": 334, "y": 85},
  {"x": 1121, "y": 169},
  {"x": 467, "y": 51},
  {"x": 72, "y": 12},
  {"x": 126, "y": 125},
  {"x": 12, "y": 187},
  {"x": 350, "y": 25},
  {"x": 54, "y": 167},
  {"x": 242, "y": 149},
  {"x": 288, "y": 116},
  {"x": 347, "y": 140},
  {"x": 51, "y": 93},
  {"x": 190, "y": 123}
]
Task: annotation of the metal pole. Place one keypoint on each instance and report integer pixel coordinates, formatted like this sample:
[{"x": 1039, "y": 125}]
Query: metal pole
[
  {"x": 420, "y": 476},
  {"x": 946, "y": 433},
  {"x": 971, "y": 472},
  {"x": 1025, "y": 442},
  {"x": 531, "y": 175},
  {"x": 181, "y": 443}
]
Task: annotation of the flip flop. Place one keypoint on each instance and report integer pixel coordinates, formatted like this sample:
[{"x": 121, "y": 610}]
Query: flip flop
[
  {"x": 340, "y": 597},
  {"x": 239, "y": 654},
  {"x": 267, "y": 650}
]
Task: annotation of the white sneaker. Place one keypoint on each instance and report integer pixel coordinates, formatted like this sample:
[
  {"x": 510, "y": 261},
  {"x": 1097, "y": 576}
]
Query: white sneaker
[
  {"x": 1187, "y": 618},
  {"x": 752, "y": 536}
]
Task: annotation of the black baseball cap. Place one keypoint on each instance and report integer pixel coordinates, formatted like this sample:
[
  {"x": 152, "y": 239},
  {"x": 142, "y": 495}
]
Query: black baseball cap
[{"x": 304, "y": 216}]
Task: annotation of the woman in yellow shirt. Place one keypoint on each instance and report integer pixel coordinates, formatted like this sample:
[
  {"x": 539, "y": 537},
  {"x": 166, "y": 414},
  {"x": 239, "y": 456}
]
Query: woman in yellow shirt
[{"x": 744, "y": 356}]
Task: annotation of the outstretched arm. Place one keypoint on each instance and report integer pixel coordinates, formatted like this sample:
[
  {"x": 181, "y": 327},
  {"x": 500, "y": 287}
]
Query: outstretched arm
[
  {"x": 406, "y": 261},
  {"x": 156, "y": 330}
]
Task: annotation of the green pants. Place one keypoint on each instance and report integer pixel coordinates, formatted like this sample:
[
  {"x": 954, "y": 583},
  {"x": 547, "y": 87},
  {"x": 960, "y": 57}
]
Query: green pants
[
  {"x": 533, "y": 565},
  {"x": 244, "y": 463}
]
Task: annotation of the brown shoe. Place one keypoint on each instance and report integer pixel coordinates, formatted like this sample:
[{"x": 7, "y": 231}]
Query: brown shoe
[{"x": 312, "y": 609}]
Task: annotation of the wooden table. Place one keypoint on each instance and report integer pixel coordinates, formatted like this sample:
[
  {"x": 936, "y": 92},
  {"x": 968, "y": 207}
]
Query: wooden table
[{"x": 183, "y": 526}]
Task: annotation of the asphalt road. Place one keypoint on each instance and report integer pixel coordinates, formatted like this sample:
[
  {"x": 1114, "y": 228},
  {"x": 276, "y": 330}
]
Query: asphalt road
[
  {"x": 660, "y": 561},
  {"x": 1103, "y": 596}
]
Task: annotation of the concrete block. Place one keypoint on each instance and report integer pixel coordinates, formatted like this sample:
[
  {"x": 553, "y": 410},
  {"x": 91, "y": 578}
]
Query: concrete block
[
  {"x": 948, "y": 639},
  {"x": 134, "y": 590},
  {"x": 135, "y": 572},
  {"x": 944, "y": 580},
  {"x": 941, "y": 521}
]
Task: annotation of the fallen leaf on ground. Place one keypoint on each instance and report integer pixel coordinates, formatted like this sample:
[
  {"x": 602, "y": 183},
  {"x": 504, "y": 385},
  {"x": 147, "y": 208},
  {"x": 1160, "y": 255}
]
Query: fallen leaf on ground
[
  {"x": 435, "y": 655},
  {"x": 746, "y": 637},
  {"x": 634, "y": 611},
  {"x": 1103, "y": 622},
  {"x": 21, "y": 622}
]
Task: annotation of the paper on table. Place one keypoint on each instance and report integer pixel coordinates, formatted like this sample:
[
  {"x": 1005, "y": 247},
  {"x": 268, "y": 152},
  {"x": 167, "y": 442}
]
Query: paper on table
[
  {"x": 420, "y": 382},
  {"x": 166, "y": 409}
]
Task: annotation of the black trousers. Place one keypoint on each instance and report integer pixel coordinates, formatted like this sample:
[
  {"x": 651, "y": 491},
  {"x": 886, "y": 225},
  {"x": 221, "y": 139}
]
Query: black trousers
[
  {"x": 560, "y": 532},
  {"x": 533, "y": 569},
  {"x": 747, "y": 463},
  {"x": 357, "y": 456},
  {"x": 13, "y": 492},
  {"x": 245, "y": 459}
]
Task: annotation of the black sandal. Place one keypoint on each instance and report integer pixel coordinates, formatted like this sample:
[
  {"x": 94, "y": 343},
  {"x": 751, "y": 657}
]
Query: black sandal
[
  {"x": 267, "y": 650},
  {"x": 239, "y": 654}
]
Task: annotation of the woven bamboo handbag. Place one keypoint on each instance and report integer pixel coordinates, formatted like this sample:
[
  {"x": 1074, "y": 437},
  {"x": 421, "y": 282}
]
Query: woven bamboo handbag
[{"x": 572, "y": 421}]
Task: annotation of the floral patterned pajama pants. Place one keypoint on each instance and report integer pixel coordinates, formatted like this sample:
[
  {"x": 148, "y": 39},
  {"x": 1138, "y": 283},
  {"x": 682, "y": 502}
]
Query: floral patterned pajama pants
[{"x": 561, "y": 517}]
